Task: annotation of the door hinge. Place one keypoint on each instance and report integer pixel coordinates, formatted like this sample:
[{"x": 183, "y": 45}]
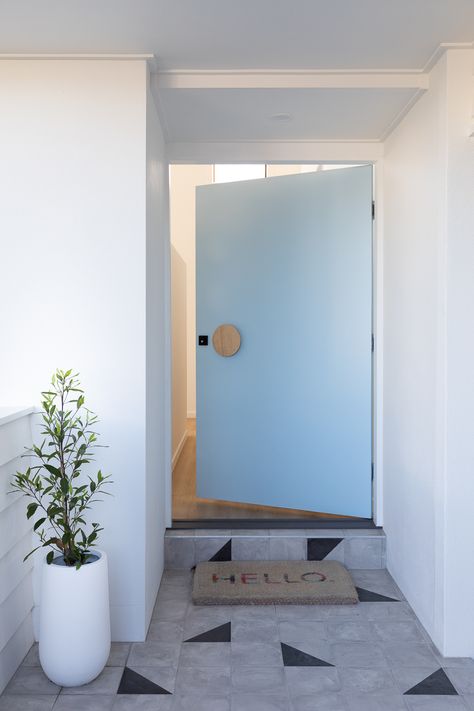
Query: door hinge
[
  {"x": 373, "y": 343},
  {"x": 373, "y": 209},
  {"x": 372, "y": 470}
]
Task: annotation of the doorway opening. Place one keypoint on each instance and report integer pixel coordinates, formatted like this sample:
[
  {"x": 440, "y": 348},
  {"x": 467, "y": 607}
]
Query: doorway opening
[{"x": 189, "y": 509}]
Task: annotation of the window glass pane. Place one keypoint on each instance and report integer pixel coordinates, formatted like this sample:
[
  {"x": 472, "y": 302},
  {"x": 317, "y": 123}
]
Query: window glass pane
[{"x": 226, "y": 173}]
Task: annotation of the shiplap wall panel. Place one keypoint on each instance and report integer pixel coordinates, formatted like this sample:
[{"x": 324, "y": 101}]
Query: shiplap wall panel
[{"x": 16, "y": 588}]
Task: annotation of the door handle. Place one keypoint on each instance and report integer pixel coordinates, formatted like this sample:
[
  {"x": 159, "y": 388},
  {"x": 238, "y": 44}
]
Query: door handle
[{"x": 226, "y": 340}]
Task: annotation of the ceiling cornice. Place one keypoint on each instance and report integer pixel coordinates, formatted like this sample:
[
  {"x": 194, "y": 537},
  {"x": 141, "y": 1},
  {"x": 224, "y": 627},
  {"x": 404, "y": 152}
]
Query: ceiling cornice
[{"x": 290, "y": 80}]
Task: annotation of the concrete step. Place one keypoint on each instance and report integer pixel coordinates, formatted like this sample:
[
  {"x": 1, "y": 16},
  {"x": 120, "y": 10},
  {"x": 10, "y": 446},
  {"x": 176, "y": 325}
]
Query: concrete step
[{"x": 355, "y": 548}]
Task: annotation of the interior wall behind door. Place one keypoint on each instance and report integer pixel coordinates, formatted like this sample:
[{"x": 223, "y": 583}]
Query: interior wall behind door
[{"x": 183, "y": 182}]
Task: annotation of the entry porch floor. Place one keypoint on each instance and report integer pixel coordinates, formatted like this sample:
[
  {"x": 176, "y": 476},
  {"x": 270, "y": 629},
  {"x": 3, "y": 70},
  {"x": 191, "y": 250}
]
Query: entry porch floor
[{"x": 374, "y": 656}]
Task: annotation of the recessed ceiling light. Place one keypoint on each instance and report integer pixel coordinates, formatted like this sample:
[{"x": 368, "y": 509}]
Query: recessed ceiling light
[{"x": 281, "y": 117}]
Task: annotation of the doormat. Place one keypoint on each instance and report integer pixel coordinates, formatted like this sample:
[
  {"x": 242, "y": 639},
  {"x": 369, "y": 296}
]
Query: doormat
[{"x": 287, "y": 582}]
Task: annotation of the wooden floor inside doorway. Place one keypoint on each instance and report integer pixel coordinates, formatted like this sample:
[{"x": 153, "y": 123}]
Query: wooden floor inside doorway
[{"x": 187, "y": 506}]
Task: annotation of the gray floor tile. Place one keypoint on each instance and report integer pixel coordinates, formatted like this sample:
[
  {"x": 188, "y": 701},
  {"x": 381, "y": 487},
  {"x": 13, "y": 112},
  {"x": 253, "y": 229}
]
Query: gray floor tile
[
  {"x": 359, "y": 655},
  {"x": 205, "y": 654},
  {"x": 119, "y": 652},
  {"x": 250, "y": 548},
  {"x": 96, "y": 702},
  {"x": 383, "y": 702},
  {"x": 398, "y": 631},
  {"x": 435, "y": 703},
  {"x": 20, "y": 702},
  {"x": 179, "y": 553},
  {"x": 255, "y": 631},
  {"x": 290, "y": 548},
  {"x": 160, "y": 631},
  {"x": 463, "y": 679},
  {"x": 176, "y": 577},
  {"x": 259, "y": 702},
  {"x": 207, "y": 547},
  {"x": 401, "y": 654},
  {"x": 258, "y": 679},
  {"x": 293, "y": 631},
  {"x": 248, "y": 613},
  {"x": 171, "y": 610},
  {"x": 350, "y": 631},
  {"x": 211, "y": 702},
  {"x": 201, "y": 681},
  {"x": 367, "y": 681},
  {"x": 325, "y": 533},
  {"x": 32, "y": 658},
  {"x": 31, "y": 680},
  {"x": 172, "y": 593},
  {"x": 152, "y": 654},
  {"x": 252, "y": 532},
  {"x": 312, "y": 680},
  {"x": 380, "y": 611},
  {"x": 363, "y": 553},
  {"x": 225, "y": 533},
  {"x": 333, "y": 701},
  {"x": 203, "y": 619},
  {"x": 320, "y": 613},
  {"x": 106, "y": 683},
  {"x": 163, "y": 676},
  {"x": 468, "y": 700},
  {"x": 379, "y": 581},
  {"x": 248, "y": 654},
  {"x": 455, "y": 662},
  {"x": 142, "y": 702}
]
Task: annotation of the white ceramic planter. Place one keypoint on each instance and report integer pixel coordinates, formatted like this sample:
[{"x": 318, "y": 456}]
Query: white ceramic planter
[{"x": 74, "y": 634}]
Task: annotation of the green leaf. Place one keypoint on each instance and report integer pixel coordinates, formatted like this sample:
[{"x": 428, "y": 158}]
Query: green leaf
[
  {"x": 39, "y": 523},
  {"x": 50, "y": 557},
  {"x": 31, "y": 509},
  {"x": 52, "y": 470}
]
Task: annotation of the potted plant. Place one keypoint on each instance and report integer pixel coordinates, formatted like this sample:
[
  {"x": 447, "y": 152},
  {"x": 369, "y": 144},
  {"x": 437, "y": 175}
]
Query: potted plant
[{"x": 74, "y": 630}]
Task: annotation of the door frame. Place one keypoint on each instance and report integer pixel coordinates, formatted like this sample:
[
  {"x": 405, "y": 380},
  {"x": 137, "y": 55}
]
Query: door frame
[{"x": 347, "y": 154}]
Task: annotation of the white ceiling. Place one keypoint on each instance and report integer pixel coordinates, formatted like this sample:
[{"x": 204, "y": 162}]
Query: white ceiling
[
  {"x": 378, "y": 37},
  {"x": 245, "y": 114},
  {"x": 228, "y": 34}
]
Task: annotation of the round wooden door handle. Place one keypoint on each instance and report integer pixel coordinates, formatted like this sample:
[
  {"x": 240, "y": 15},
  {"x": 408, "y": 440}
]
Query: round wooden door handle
[{"x": 226, "y": 340}]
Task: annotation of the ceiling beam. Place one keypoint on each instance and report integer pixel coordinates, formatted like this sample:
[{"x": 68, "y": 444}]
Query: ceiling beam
[
  {"x": 290, "y": 80},
  {"x": 275, "y": 152}
]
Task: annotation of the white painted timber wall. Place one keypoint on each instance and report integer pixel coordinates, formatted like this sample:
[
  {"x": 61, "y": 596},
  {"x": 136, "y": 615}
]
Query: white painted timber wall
[
  {"x": 83, "y": 210},
  {"x": 428, "y": 355},
  {"x": 16, "y": 587}
]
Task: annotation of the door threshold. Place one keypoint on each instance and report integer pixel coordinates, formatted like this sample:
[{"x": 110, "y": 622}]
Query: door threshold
[{"x": 252, "y": 523}]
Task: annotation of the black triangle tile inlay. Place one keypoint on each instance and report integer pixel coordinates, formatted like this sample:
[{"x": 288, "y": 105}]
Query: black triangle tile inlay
[
  {"x": 217, "y": 634},
  {"x": 436, "y": 684},
  {"x": 318, "y": 548},
  {"x": 296, "y": 658},
  {"x": 369, "y": 596},
  {"x": 224, "y": 553},
  {"x": 134, "y": 683}
]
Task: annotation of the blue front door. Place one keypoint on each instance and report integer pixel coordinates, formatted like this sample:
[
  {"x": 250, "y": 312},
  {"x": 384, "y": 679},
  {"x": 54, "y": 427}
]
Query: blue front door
[{"x": 287, "y": 420}]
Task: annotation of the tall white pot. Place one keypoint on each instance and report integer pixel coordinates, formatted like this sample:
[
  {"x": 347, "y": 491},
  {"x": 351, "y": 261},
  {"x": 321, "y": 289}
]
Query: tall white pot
[{"x": 74, "y": 634}]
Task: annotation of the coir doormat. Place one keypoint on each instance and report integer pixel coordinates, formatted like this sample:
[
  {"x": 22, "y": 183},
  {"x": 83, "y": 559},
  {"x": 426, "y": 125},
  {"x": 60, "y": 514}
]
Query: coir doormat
[{"x": 273, "y": 583}]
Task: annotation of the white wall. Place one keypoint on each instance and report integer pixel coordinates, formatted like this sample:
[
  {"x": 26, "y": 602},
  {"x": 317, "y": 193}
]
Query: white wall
[
  {"x": 76, "y": 234},
  {"x": 16, "y": 587},
  {"x": 183, "y": 182},
  {"x": 158, "y": 355},
  {"x": 459, "y": 544},
  {"x": 179, "y": 352},
  {"x": 428, "y": 171}
]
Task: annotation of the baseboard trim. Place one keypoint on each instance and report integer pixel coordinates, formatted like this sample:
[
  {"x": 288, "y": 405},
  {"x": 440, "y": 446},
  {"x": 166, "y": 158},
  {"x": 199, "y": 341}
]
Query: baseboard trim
[{"x": 179, "y": 449}]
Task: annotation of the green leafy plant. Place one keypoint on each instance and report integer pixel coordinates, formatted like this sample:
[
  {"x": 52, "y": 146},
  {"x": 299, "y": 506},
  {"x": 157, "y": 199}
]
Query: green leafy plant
[{"x": 59, "y": 490}]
